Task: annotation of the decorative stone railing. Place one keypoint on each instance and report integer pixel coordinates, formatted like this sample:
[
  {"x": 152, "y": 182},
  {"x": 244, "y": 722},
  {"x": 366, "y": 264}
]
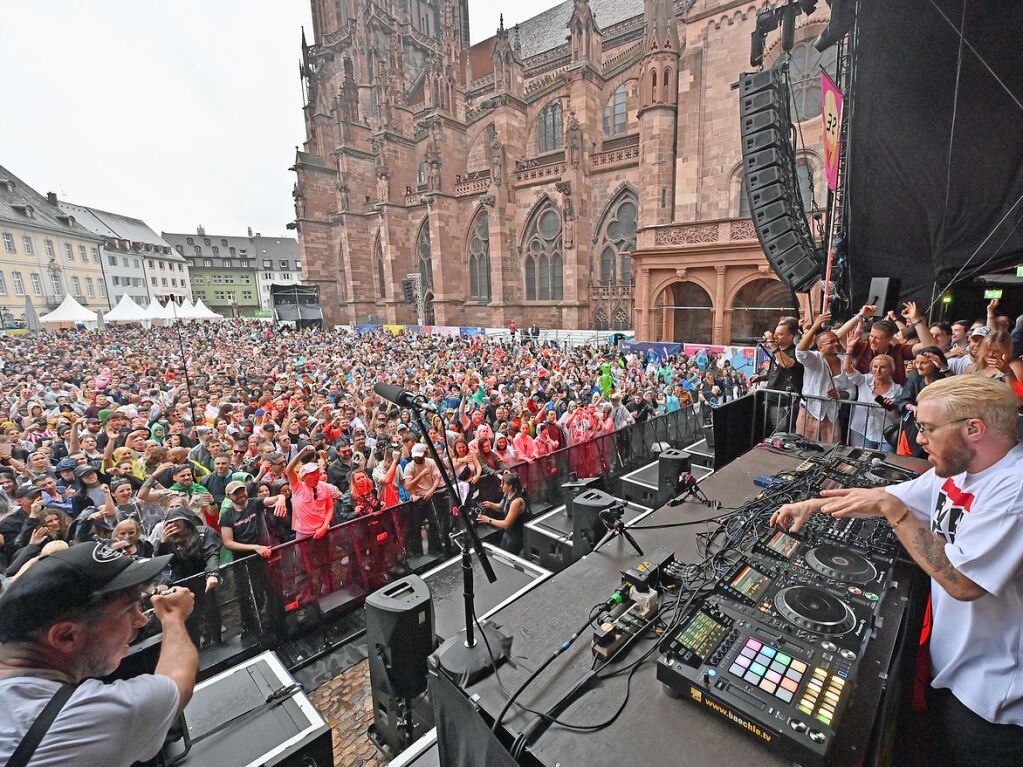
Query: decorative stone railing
[
  {"x": 621, "y": 156},
  {"x": 704, "y": 233}
]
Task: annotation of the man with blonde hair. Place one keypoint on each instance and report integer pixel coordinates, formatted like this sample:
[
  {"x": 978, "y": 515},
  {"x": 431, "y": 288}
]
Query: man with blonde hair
[{"x": 962, "y": 522}]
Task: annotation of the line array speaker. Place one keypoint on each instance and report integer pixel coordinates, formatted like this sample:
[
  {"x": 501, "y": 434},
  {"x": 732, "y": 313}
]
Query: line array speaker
[{"x": 770, "y": 182}]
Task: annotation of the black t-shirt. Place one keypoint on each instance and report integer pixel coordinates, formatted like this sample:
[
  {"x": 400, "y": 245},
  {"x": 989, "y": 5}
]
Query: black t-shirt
[
  {"x": 785, "y": 379},
  {"x": 248, "y": 526},
  {"x": 640, "y": 410}
]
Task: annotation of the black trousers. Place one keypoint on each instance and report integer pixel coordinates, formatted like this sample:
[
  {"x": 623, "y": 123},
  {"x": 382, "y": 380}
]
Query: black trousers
[{"x": 959, "y": 738}]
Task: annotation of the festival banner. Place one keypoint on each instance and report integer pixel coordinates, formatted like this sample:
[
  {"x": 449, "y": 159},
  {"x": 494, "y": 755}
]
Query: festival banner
[
  {"x": 831, "y": 98},
  {"x": 743, "y": 358}
]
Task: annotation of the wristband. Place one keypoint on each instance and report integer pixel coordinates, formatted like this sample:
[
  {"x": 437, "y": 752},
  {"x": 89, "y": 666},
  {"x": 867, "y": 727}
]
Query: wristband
[{"x": 898, "y": 521}]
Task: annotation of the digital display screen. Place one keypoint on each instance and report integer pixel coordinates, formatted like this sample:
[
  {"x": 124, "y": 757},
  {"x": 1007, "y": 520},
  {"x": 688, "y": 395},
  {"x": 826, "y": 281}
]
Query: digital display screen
[
  {"x": 701, "y": 634},
  {"x": 751, "y": 583},
  {"x": 782, "y": 544}
]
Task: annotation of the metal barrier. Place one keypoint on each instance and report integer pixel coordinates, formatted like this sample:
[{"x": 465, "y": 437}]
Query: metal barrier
[
  {"x": 793, "y": 413},
  {"x": 260, "y": 603}
]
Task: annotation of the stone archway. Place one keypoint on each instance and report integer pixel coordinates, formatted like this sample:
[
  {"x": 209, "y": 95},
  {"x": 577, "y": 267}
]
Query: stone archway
[
  {"x": 684, "y": 313},
  {"x": 756, "y": 307}
]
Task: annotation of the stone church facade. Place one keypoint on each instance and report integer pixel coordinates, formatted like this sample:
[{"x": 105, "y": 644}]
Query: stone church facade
[{"x": 579, "y": 170}]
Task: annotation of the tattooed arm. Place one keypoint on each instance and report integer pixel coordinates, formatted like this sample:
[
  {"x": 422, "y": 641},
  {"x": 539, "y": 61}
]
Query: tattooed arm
[{"x": 926, "y": 548}]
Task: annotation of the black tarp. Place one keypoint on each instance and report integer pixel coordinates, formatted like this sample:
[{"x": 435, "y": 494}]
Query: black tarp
[{"x": 903, "y": 101}]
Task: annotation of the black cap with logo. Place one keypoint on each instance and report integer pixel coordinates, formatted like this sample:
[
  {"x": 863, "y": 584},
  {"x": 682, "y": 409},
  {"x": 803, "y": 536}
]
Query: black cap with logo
[{"x": 61, "y": 582}]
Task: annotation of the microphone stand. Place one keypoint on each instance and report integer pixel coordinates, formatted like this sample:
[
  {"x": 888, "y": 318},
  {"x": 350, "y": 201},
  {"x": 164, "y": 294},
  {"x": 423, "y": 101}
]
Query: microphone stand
[{"x": 463, "y": 657}]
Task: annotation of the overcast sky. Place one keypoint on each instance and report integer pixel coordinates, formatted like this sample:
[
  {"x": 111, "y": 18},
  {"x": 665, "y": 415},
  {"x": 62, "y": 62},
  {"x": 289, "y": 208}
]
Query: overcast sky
[{"x": 179, "y": 112}]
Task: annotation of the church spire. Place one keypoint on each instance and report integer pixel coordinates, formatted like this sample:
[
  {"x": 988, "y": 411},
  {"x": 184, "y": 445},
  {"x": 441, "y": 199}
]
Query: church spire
[{"x": 661, "y": 26}]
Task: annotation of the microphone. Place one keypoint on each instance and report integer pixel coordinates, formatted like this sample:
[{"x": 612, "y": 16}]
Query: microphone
[{"x": 404, "y": 398}]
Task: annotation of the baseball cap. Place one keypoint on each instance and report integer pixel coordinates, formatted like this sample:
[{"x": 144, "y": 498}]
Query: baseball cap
[
  {"x": 66, "y": 464},
  {"x": 234, "y": 487},
  {"x": 27, "y": 490},
  {"x": 84, "y": 469},
  {"x": 69, "y": 579},
  {"x": 418, "y": 450},
  {"x": 308, "y": 468},
  {"x": 981, "y": 331}
]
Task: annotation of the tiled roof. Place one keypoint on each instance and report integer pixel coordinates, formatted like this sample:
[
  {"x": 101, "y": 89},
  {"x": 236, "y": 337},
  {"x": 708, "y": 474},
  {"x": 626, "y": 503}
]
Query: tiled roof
[
  {"x": 115, "y": 225},
  {"x": 550, "y": 29},
  {"x": 16, "y": 197}
]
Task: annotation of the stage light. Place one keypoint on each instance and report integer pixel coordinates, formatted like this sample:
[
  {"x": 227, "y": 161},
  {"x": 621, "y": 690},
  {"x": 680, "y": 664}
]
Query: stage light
[
  {"x": 843, "y": 13},
  {"x": 767, "y": 21},
  {"x": 788, "y": 27},
  {"x": 946, "y": 298}
]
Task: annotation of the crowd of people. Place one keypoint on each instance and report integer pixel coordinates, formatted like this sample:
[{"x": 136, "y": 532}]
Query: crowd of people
[
  {"x": 859, "y": 383},
  {"x": 132, "y": 454},
  {"x": 227, "y": 440}
]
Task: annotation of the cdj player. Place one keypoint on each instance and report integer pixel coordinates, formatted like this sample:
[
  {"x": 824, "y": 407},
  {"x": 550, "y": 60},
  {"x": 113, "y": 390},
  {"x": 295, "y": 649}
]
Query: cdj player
[{"x": 775, "y": 649}]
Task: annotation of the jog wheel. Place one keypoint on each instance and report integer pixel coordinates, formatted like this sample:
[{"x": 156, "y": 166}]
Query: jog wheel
[
  {"x": 815, "y": 610},
  {"x": 840, "y": 564}
]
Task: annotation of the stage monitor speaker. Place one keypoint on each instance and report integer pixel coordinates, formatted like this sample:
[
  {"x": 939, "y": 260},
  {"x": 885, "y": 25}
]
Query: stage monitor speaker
[
  {"x": 770, "y": 181},
  {"x": 671, "y": 464},
  {"x": 572, "y": 488},
  {"x": 399, "y": 638},
  {"x": 587, "y": 528},
  {"x": 884, "y": 294}
]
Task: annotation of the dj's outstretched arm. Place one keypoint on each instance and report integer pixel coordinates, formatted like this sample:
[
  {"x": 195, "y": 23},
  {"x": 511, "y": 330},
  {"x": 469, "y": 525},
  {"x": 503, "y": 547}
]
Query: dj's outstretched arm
[{"x": 792, "y": 516}]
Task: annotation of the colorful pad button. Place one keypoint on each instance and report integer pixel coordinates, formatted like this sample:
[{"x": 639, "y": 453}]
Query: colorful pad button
[
  {"x": 753, "y": 644},
  {"x": 783, "y": 658},
  {"x": 784, "y": 695},
  {"x": 752, "y": 678},
  {"x": 798, "y": 665},
  {"x": 779, "y": 667},
  {"x": 789, "y": 684},
  {"x": 737, "y": 670},
  {"x": 743, "y": 662},
  {"x": 793, "y": 675},
  {"x": 770, "y": 652},
  {"x": 768, "y": 686},
  {"x": 774, "y": 676},
  {"x": 748, "y": 653}
]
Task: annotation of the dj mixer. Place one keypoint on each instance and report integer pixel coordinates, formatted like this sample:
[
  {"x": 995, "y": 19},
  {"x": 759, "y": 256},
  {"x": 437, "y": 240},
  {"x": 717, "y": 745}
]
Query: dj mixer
[{"x": 775, "y": 648}]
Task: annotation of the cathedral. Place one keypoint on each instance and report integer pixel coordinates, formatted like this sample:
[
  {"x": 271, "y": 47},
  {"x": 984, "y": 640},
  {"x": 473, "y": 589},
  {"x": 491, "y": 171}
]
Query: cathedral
[{"x": 581, "y": 169}]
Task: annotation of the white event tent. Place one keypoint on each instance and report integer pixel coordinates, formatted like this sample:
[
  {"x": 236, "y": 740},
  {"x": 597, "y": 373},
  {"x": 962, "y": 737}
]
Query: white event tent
[
  {"x": 69, "y": 312},
  {"x": 126, "y": 311}
]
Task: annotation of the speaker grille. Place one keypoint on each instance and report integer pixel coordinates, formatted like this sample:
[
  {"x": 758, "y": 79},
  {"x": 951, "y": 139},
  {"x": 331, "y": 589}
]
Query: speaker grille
[{"x": 770, "y": 182}]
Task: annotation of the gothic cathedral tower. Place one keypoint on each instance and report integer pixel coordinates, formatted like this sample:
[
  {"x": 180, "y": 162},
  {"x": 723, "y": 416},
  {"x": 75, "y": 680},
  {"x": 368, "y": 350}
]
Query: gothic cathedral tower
[{"x": 658, "y": 105}]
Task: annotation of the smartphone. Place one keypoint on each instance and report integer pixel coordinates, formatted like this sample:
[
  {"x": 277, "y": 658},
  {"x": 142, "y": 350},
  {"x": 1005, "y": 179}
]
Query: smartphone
[{"x": 880, "y": 400}]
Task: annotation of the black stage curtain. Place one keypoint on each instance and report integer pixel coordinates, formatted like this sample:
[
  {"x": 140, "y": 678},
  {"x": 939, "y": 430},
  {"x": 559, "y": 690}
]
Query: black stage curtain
[{"x": 903, "y": 100}]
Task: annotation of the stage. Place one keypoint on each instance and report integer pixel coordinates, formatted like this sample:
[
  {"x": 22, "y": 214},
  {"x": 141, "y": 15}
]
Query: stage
[{"x": 549, "y": 614}]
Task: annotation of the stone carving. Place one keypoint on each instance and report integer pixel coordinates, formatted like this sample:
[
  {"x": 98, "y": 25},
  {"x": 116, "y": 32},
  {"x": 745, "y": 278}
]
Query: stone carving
[
  {"x": 568, "y": 214},
  {"x": 433, "y": 174},
  {"x": 383, "y": 184},
  {"x": 487, "y": 200},
  {"x": 498, "y": 157},
  {"x": 742, "y": 230},
  {"x": 343, "y": 197},
  {"x": 575, "y": 141},
  {"x": 691, "y": 234}
]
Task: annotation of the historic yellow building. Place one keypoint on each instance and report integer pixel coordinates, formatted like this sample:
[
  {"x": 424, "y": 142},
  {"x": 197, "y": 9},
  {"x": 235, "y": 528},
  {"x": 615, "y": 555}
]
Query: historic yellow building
[{"x": 44, "y": 254}]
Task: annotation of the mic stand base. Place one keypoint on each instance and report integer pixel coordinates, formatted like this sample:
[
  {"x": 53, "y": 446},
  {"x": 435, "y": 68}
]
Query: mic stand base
[{"x": 467, "y": 665}]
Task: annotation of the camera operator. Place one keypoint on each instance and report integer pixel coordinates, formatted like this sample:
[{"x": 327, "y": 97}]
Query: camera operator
[
  {"x": 513, "y": 513},
  {"x": 68, "y": 620}
]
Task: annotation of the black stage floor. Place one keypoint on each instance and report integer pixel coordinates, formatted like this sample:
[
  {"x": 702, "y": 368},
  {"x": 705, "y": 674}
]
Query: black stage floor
[{"x": 652, "y": 728}]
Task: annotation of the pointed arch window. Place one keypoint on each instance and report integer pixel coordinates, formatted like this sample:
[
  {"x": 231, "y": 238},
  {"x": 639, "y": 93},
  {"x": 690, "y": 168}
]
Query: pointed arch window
[
  {"x": 548, "y": 128},
  {"x": 667, "y": 84},
  {"x": 425, "y": 256},
  {"x": 544, "y": 268},
  {"x": 618, "y": 240},
  {"x": 615, "y": 113},
  {"x": 479, "y": 259}
]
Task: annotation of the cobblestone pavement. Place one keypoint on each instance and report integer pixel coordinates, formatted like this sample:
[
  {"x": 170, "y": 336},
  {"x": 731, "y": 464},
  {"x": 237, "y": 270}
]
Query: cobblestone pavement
[{"x": 345, "y": 702}]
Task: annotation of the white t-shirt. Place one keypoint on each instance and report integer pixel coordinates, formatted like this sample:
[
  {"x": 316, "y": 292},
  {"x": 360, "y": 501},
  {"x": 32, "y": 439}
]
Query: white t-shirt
[
  {"x": 976, "y": 646},
  {"x": 818, "y": 380},
  {"x": 102, "y": 724}
]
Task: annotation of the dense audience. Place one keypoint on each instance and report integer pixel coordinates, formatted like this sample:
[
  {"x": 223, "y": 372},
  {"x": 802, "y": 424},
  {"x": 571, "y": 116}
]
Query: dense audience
[{"x": 277, "y": 435}]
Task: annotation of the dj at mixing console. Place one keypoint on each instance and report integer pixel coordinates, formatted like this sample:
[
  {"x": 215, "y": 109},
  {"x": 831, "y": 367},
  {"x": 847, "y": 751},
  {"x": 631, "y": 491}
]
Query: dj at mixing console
[{"x": 775, "y": 649}]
